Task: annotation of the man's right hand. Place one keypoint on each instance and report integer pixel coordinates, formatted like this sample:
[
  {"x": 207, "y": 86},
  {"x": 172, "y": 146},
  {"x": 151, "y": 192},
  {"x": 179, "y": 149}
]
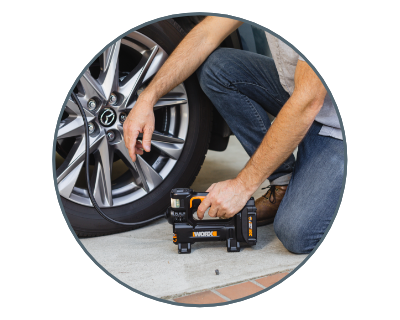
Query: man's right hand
[{"x": 139, "y": 120}]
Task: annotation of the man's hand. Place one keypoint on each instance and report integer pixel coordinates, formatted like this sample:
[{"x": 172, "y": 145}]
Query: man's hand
[
  {"x": 225, "y": 198},
  {"x": 139, "y": 120}
]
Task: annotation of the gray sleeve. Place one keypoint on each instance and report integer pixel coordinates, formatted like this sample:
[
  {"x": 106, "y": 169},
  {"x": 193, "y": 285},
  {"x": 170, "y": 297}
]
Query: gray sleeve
[{"x": 301, "y": 59}]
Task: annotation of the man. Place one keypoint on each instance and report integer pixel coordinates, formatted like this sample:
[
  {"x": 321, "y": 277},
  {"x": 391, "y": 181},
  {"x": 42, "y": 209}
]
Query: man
[{"x": 244, "y": 86}]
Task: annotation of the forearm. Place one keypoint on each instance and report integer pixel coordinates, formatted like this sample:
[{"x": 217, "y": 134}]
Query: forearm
[
  {"x": 185, "y": 59},
  {"x": 188, "y": 56}
]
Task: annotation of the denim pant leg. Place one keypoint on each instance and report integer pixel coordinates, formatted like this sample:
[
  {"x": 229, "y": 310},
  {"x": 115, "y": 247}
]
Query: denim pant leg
[
  {"x": 244, "y": 86},
  {"x": 313, "y": 193}
]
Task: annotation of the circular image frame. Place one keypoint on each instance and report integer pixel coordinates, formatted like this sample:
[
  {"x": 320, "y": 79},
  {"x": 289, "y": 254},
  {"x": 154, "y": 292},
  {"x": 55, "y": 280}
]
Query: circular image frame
[{"x": 344, "y": 174}]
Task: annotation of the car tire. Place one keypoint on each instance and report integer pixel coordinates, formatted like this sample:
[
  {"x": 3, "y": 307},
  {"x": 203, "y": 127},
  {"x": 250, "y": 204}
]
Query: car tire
[{"x": 86, "y": 222}]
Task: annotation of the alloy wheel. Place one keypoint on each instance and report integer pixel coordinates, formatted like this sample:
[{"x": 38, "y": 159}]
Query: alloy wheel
[{"x": 108, "y": 91}]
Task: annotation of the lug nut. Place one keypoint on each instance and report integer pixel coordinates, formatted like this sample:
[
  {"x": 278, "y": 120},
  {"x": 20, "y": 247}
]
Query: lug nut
[
  {"x": 91, "y": 104},
  {"x": 122, "y": 117},
  {"x": 113, "y": 99},
  {"x": 110, "y": 136},
  {"x": 91, "y": 127}
]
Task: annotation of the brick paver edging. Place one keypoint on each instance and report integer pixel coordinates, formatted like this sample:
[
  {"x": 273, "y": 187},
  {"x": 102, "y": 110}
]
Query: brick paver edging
[{"x": 231, "y": 292}]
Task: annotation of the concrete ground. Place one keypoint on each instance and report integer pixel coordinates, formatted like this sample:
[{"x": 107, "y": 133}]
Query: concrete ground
[{"x": 147, "y": 260}]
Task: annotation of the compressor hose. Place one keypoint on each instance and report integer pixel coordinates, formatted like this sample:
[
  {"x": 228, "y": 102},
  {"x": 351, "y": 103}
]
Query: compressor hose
[{"x": 95, "y": 205}]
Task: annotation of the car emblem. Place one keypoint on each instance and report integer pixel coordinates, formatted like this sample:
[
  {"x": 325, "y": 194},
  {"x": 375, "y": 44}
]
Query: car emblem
[{"x": 107, "y": 117}]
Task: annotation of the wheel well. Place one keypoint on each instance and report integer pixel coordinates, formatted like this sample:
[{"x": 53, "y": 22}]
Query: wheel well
[{"x": 220, "y": 129}]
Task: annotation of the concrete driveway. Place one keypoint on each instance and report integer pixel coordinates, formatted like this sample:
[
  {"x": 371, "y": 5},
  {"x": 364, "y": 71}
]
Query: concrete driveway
[{"x": 146, "y": 259}]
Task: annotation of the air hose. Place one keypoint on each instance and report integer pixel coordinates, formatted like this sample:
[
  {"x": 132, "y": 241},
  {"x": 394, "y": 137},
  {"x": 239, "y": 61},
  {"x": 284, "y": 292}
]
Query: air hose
[{"x": 95, "y": 205}]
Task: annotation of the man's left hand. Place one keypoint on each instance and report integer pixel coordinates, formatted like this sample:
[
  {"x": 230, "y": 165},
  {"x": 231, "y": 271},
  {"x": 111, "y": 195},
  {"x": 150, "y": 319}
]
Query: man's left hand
[{"x": 225, "y": 198}]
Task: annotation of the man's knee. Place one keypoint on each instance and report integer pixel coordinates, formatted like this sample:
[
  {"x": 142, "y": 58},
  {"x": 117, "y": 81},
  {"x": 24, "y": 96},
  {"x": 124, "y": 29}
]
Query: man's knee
[
  {"x": 209, "y": 72},
  {"x": 296, "y": 237}
]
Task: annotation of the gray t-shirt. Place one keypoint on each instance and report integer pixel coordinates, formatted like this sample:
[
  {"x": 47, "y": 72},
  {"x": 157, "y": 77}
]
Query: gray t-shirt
[{"x": 285, "y": 59}]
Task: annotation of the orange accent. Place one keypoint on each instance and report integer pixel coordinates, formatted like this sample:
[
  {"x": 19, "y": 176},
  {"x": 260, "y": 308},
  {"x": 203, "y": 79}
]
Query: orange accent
[
  {"x": 214, "y": 233},
  {"x": 199, "y": 197},
  {"x": 175, "y": 237}
]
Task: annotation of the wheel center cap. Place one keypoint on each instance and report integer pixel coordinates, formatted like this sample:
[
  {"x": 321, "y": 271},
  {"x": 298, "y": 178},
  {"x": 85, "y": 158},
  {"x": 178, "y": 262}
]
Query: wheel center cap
[{"x": 107, "y": 117}]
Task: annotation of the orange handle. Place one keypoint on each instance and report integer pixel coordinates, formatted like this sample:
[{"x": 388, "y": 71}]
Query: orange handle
[{"x": 199, "y": 197}]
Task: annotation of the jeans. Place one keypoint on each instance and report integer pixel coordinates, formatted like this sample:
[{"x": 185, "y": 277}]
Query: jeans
[{"x": 244, "y": 86}]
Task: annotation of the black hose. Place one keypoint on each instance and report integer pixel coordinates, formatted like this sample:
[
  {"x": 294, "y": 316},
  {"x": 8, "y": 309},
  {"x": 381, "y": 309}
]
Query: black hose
[{"x": 87, "y": 143}]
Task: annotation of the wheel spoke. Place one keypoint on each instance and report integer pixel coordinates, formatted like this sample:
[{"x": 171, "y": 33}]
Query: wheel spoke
[
  {"x": 101, "y": 177},
  {"x": 70, "y": 128},
  {"x": 92, "y": 87},
  {"x": 170, "y": 99},
  {"x": 170, "y": 150},
  {"x": 135, "y": 79},
  {"x": 152, "y": 178},
  {"x": 108, "y": 78},
  {"x": 155, "y": 63},
  {"x": 76, "y": 156},
  {"x": 72, "y": 108},
  {"x": 67, "y": 184},
  {"x": 73, "y": 125},
  {"x": 133, "y": 168},
  {"x": 149, "y": 178}
]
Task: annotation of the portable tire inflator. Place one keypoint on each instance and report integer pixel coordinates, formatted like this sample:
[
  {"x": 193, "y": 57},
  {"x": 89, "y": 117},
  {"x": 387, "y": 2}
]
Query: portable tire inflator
[{"x": 184, "y": 203}]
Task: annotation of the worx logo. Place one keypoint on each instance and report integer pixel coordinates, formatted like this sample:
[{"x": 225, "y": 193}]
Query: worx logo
[{"x": 205, "y": 234}]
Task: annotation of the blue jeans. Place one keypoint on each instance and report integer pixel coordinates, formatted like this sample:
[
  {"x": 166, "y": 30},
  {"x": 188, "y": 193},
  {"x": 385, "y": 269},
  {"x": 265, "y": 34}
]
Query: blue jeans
[{"x": 244, "y": 86}]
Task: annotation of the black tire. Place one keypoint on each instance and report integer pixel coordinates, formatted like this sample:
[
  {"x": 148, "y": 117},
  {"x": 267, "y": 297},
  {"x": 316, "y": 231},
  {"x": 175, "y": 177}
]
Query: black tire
[{"x": 88, "y": 223}]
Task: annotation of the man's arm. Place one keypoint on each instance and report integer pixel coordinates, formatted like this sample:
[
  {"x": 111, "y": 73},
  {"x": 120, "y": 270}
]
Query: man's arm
[
  {"x": 289, "y": 128},
  {"x": 186, "y": 58}
]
